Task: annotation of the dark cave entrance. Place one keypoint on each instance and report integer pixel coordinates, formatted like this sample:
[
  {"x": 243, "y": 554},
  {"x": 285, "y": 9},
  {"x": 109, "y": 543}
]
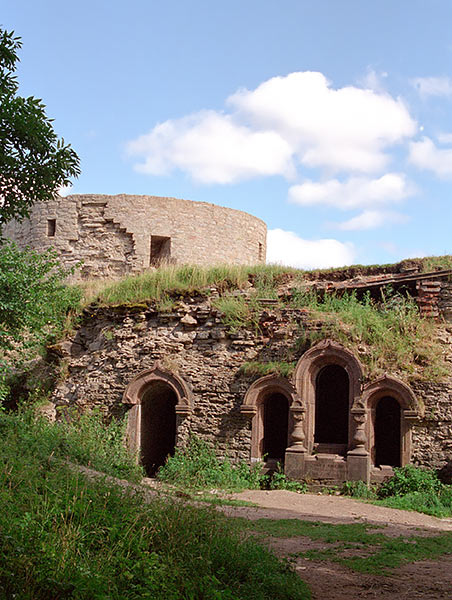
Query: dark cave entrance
[
  {"x": 158, "y": 426},
  {"x": 387, "y": 432},
  {"x": 332, "y": 408},
  {"x": 276, "y": 426}
]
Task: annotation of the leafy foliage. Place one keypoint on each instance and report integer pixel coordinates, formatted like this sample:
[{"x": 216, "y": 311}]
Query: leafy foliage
[
  {"x": 410, "y": 479},
  {"x": 34, "y": 163},
  {"x": 34, "y": 301},
  {"x": 198, "y": 467}
]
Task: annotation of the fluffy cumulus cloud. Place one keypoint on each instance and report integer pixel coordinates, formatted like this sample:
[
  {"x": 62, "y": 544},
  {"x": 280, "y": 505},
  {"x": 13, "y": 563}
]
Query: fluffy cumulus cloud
[
  {"x": 287, "y": 248},
  {"x": 285, "y": 122},
  {"x": 371, "y": 219},
  {"x": 433, "y": 86},
  {"x": 213, "y": 149},
  {"x": 355, "y": 192},
  {"x": 426, "y": 155}
]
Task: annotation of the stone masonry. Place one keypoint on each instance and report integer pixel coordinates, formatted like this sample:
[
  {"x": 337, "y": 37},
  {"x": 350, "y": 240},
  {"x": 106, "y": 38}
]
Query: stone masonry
[{"x": 112, "y": 236}]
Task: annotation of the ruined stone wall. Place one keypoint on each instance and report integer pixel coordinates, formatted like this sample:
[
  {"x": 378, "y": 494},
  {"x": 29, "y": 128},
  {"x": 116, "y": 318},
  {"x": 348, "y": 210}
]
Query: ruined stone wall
[
  {"x": 112, "y": 234},
  {"x": 114, "y": 345}
]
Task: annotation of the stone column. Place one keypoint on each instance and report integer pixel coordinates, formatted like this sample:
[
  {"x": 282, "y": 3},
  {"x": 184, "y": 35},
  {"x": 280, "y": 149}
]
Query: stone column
[
  {"x": 358, "y": 459},
  {"x": 296, "y": 452}
]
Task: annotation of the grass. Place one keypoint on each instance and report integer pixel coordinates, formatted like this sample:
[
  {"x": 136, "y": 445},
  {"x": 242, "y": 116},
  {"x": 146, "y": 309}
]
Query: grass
[
  {"x": 281, "y": 368},
  {"x": 387, "y": 336},
  {"x": 410, "y": 488},
  {"x": 85, "y": 440},
  {"x": 197, "y": 467},
  {"x": 354, "y": 547},
  {"x": 63, "y": 536}
]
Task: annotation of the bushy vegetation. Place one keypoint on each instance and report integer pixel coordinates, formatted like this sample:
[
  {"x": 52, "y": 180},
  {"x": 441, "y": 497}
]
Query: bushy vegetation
[
  {"x": 410, "y": 488},
  {"x": 34, "y": 304},
  {"x": 198, "y": 467},
  {"x": 81, "y": 439},
  {"x": 65, "y": 536}
]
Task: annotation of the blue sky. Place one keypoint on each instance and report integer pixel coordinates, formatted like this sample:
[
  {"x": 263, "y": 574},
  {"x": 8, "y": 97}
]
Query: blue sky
[{"x": 330, "y": 120}]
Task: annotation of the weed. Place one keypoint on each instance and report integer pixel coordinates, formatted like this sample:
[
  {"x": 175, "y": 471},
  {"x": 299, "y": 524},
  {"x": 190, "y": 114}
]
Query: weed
[
  {"x": 198, "y": 467},
  {"x": 281, "y": 368}
]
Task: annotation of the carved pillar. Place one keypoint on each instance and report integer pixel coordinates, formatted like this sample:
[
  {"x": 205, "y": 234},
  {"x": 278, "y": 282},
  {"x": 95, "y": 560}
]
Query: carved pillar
[
  {"x": 358, "y": 459},
  {"x": 294, "y": 463},
  {"x": 297, "y": 435}
]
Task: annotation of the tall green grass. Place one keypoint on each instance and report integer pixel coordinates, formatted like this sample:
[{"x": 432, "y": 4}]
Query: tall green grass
[
  {"x": 387, "y": 335},
  {"x": 63, "y": 536},
  {"x": 186, "y": 279}
]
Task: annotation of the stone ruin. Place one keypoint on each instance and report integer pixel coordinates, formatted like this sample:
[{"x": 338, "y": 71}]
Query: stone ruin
[
  {"x": 113, "y": 236},
  {"x": 180, "y": 372}
]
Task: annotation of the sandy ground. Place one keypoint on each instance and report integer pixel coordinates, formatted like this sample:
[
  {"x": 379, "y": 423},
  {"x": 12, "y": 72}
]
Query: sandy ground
[{"x": 430, "y": 580}]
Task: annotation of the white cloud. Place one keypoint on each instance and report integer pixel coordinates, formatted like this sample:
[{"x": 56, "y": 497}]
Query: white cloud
[
  {"x": 347, "y": 128},
  {"x": 433, "y": 86},
  {"x": 426, "y": 155},
  {"x": 373, "y": 80},
  {"x": 287, "y": 248},
  {"x": 212, "y": 148},
  {"x": 371, "y": 219},
  {"x": 298, "y": 118},
  {"x": 356, "y": 192}
]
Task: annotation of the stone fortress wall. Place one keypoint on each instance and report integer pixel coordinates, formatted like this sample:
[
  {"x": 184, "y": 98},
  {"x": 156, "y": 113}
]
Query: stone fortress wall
[{"x": 116, "y": 235}]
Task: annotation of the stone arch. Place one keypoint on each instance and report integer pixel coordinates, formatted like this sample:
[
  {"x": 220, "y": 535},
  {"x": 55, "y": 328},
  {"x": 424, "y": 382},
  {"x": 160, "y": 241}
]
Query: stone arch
[
  {"x": 381, "y": 391},
  {"x": 327, "y": 353},
  {"x": 270, "y": 398},
  {"x": 160, "y": 397}
]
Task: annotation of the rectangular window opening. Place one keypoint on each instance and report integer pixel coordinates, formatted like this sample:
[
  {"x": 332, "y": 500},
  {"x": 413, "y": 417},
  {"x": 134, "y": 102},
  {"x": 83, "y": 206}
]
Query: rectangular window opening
[
  {"x": 160, "y": 250},
  {"x": 51, "y": 227},
  {"x": 261, "y": 252}
]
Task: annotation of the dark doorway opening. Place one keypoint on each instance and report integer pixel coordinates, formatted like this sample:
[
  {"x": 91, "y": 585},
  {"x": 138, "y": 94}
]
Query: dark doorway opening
[
  {"x": 158, "y": 426},
  {"x": 276, "y": 426},
  {"x": 387, "y": 432},
  {"x": 331, "y": 406},
  {"x": 160, "y": 250}
]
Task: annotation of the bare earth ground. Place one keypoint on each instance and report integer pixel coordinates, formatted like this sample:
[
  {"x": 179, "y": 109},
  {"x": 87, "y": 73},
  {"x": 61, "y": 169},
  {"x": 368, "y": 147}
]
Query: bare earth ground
[{"x": 430, "y": 580}]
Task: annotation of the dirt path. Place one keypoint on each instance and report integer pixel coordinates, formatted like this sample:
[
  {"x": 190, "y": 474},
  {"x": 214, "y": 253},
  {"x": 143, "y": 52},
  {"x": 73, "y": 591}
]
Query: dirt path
[{"x": 430, "y": 580}]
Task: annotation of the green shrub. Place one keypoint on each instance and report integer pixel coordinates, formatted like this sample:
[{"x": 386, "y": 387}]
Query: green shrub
[
  {"x": 279, "y": 481},
  {"x": 85, "y": 440},
  {"x": 198, "y": 467},
  {"x": 410, "y": 479},
  {"x": 358, "y": 489}
]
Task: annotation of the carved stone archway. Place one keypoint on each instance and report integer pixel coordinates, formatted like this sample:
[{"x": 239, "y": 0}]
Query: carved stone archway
[
  {"x": 253, "y": 406},
  {"x": 410, "y": 410},
  {"x": 324, "y": 354},
  {"x": 137, "y": 389}
]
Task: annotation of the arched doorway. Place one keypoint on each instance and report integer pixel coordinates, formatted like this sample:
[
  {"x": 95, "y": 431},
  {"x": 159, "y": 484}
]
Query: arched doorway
[
  {"x": 387, "y": 432},
  {"x": 159, "y": 401},
  {"x": 332, "y": 407},
  {"x": 276, "y": 426},
  {"x": 158, "y": 426}
]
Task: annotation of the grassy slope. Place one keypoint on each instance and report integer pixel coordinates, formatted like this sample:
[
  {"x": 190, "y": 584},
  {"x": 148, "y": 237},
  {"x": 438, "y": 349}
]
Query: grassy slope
[{"x": 62, "y": 536}]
